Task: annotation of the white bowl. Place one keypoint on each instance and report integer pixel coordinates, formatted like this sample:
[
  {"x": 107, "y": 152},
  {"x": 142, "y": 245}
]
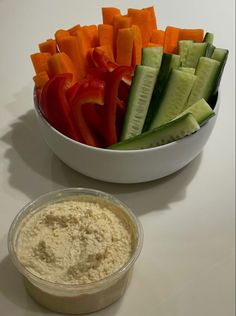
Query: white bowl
[{"x": 126, "y": 166}]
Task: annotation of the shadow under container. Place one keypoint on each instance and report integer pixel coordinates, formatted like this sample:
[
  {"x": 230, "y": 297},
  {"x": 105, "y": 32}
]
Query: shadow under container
[{"x": 75, "y": 298}]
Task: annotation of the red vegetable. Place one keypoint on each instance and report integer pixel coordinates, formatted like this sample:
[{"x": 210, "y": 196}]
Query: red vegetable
[
  {"x": 55, "y": 107},
  {"x": 111, "y": 95},
  {"x": 89, "y": 91}
]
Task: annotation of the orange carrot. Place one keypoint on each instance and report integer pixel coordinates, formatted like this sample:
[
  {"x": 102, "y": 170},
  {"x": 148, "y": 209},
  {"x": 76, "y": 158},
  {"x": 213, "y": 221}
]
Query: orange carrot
[
  {"x": 73, "y": 29},
  {"x": 153, "y": 20},
  {"x": 171, "y": 39},
  {"x": 108, "y": 14},
  {"x": 108, "y": 52},
  {"x": 71, "y": 46},
  {"x": 150, "y": 44},
  {"x": 40, "y": 61},
  {"x": 59, "y": 34},
  {"x": 50, "y": 46},
  {"x": 84, "y": 47},
  {"x": 158, "y": 37},
  {"x": 91, "y": 33},
  {"x": 106, "y": 35},
  {"x": 61, "y": 63},
  {"x": 142, "y": 19},
  {"x": 40, "y": 79},
  {"x": 137, "y": 48},
  {"x": 124, "y": 50},
  {"x": 192, "y": 34},
  {"x": 120, "y": 22}
]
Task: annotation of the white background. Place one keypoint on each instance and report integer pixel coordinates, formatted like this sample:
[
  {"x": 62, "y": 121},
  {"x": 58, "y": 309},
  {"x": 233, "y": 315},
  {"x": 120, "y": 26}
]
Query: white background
[{"x": 186, "y": 267}]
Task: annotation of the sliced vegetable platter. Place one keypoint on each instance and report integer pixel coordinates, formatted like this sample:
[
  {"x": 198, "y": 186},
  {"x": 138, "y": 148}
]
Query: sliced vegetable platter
[{"x": 125, "y": 83}]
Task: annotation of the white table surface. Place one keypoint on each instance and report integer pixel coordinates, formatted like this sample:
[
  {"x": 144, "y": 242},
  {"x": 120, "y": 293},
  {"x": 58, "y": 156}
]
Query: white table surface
[{"x": 186, "y": 267}]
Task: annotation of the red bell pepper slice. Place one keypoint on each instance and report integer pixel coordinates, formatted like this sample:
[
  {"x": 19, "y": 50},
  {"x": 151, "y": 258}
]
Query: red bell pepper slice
[
  {"x": 111, "y": 95},
  {"x": 55, "y": 107},
  {"x": 100, "y": 59},
  {"x": 89, "y": 91}
]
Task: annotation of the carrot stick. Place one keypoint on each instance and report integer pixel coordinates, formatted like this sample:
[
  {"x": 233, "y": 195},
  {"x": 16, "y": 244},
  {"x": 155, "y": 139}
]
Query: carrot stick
[
  {"x": 150, "y": 44},
  {"x": 106, "y": 35},
  {"x": 137, "y": 48},
  {"x": 142, "y": 19},
  {"x": 192, "y": 34},
  {"x": 50, "y": 46},
  {"x": 40, "y": 62},
  {"x": 171, "y": 39},
  {"x": 71, "y": 46},
  {"x": 120, "y": 22},
  {"x": 106, "y": 51},
  {"x": 125, "y": 42},
  {"x": 40, "y": 79},
  {"x": 108, "y": 14},
  {"x": 59, "y": 34},
  {"x": 153, "y": 20},
  {"x": 61, "y": 63},
  {"x": 73, "y": 29},
  {"x": 91, "y": 33},
  {"x": 158, "y": 36},
  {"x": 84, "y": 47}
]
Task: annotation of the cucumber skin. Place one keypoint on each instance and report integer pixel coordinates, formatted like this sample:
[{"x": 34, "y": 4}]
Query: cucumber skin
[
  {"x": 152, "y": 57},
  {"x": 209, "y": 83},
  {"x": 133, "y": 122},
  {"x": 222, "y": 67},
  {"x": 169, "y": 62},
  {"x": 201, "y": 111},
  {"x": 168, "y": 104},
  {"x": 195, "y": 51},
  {"x": 210, "y": 50},
  {"x": 208, "y": 38},
  {"x": 183, "y": 47},
  {"x": 156, "y": 137},
  {"x": 187, "y": 69}
]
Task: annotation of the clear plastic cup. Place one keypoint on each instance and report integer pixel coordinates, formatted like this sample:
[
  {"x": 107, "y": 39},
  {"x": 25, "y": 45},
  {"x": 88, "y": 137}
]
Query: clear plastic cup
[{"x": 74, "y": 298}]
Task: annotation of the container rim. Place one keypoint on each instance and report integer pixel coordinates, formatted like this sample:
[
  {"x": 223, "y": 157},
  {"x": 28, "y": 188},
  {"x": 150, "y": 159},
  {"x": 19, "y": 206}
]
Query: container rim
[{"x": 54, "y": 196}]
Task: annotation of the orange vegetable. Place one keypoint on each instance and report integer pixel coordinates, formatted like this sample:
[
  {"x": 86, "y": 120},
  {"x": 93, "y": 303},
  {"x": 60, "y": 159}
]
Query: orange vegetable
[
  {"x": 40, "y": 61},
  {"x": 49, "y": 46},
  {"x": 73, "y": 29},
  {"x": 120, "y": 22},
  {"x": 91, "y": 34},
  {"x": 108, "y": 14},
  {"x": 61, "y": 63},
  {"x": 142, "y": 19},
  {"x": 106, "y": 35},
  {"x": 105, "y": 51},
  {"x": 70, "y": 46},
  {"x": 153, "y": 20},
  {"x": 84, "y": 48},
  {"x": 192, "y": 34},
  {"x": 40, "y": 79},
  {"x": 158, "y": 36},
  {"x": 150, "y": 44},
  {"x": 171, "y": 39},
  {"x": 59, "y": 34},
  {"x": 124, "y": 46},
  {"x": 137, "y": 48}
]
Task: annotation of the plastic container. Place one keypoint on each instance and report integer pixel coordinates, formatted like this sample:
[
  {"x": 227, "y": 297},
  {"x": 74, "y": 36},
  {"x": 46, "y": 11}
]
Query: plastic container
[{"x": 86, "y": 298}]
